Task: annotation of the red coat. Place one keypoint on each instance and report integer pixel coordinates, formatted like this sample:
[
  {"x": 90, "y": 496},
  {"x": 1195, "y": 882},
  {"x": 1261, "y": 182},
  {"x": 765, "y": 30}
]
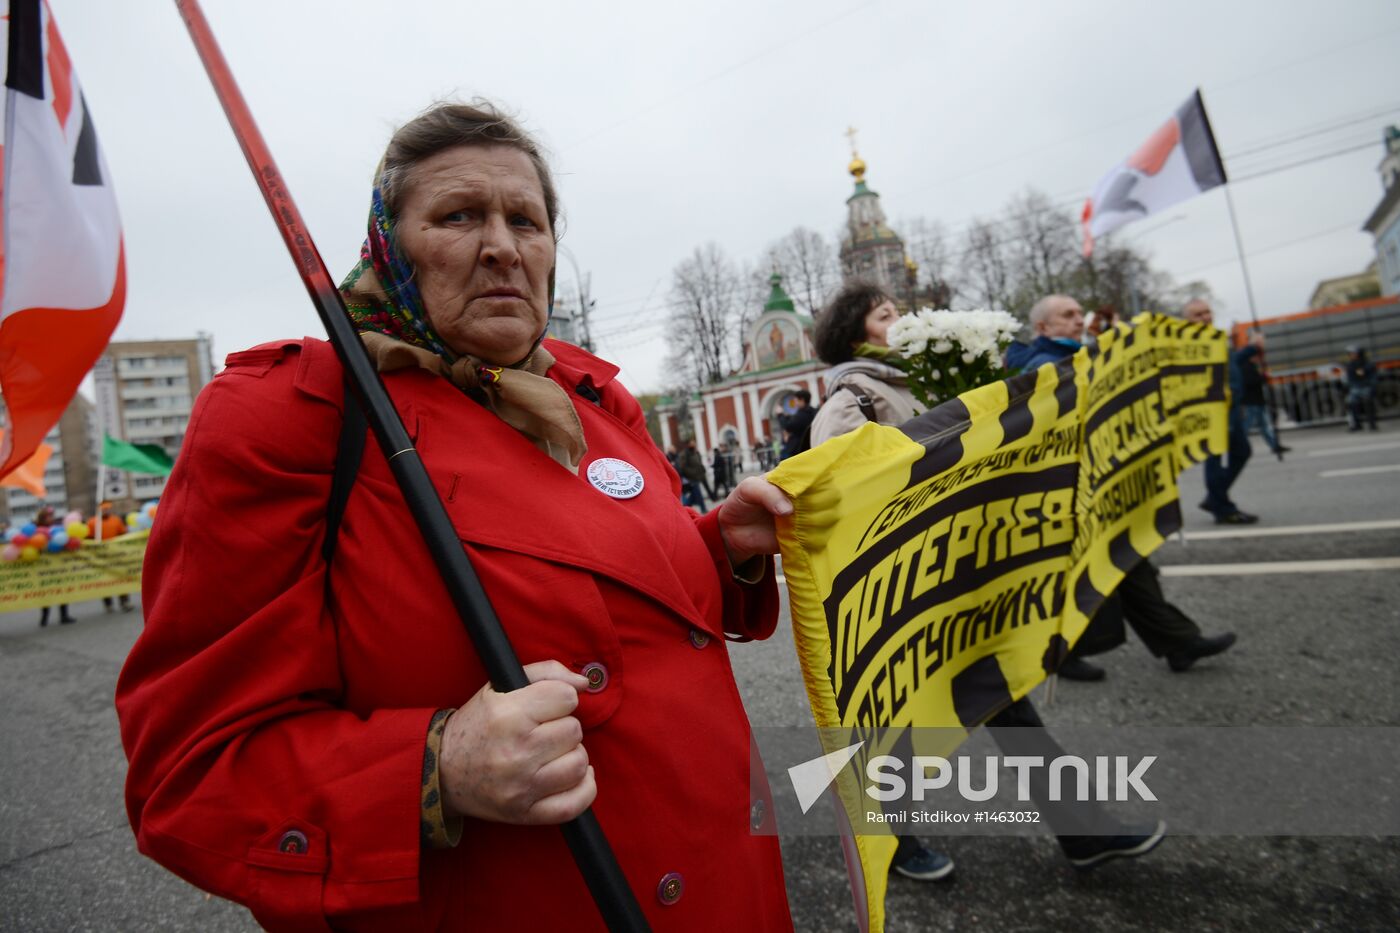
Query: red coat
[{"x": 254, "y": 705}]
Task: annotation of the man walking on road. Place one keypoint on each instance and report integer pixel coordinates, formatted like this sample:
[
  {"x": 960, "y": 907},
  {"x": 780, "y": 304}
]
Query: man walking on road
[
  {"x": 691, "y": 466},
  {"x": 1253, "y": 387},
  {"x": 723, "y": 472},
  {"x": 1361, "y": 389},
  {"x": 1221, "y": 472}
]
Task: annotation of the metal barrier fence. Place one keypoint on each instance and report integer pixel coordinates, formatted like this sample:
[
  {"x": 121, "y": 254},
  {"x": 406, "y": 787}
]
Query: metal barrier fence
[{"x": 1309, "y": 399}]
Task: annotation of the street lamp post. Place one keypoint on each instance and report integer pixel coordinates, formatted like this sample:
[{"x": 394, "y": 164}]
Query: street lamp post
[{"x": 585, "y": 302}]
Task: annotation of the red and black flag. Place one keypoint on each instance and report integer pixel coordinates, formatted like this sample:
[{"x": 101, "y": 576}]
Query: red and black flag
[
  {"x": 1177, "y": 162},
  {"x": 62, "y": 274}
]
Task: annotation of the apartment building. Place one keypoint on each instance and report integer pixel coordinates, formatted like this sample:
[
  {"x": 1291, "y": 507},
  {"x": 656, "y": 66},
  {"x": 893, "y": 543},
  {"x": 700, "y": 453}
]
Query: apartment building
[
  {"x": 70, "y": 475},
  {"x": 145, "y": 393}
]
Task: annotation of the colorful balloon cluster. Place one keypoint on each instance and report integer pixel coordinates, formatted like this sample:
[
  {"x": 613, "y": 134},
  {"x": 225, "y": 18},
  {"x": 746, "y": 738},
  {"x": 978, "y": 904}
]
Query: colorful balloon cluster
[
  {"x": 142, "y": 520},
  {"x": 28, "y": 541}
]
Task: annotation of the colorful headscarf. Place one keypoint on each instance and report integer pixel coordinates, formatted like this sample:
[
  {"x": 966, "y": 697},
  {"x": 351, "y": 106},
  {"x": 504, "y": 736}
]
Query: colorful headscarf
[
  {"x": 384, "y": 302},
  {"x": 380, "y": 292}
]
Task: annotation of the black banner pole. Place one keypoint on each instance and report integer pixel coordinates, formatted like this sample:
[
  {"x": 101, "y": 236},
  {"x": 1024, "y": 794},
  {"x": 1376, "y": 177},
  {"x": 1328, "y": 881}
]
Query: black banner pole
[{"x": 584, "y": 835}]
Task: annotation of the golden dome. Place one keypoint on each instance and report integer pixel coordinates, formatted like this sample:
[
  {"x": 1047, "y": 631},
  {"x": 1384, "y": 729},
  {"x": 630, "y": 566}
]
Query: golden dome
[{"x": 857, "y": 168}]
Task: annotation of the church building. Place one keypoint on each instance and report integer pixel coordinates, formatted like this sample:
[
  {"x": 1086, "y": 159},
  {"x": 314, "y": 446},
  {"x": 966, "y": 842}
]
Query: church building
[
  {"x": 739, "y": 414},
  {"x": 870, "y": 250}
]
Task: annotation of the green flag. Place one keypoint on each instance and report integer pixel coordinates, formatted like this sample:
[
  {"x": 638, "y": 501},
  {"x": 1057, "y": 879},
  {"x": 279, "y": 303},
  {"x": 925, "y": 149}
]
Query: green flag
[{"x": 137, "y": 458}]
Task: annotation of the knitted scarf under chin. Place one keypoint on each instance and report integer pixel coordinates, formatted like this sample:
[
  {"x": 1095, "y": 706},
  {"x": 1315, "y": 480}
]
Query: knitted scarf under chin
[{"x": 387, "y": 309}]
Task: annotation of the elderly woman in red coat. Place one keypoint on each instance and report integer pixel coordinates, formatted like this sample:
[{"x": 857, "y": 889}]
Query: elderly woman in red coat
[{"x": 317, "y": 739}]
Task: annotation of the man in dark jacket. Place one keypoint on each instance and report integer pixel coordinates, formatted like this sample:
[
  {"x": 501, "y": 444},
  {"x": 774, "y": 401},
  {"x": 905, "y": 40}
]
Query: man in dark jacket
[
  {"x": 797, "y": 427},
  {"x": 1252, "y": 393},
  {"x": 1058, "y": 323},
  {"x": 1221, "y": 472},
  {"x": 691, "y": 467},
  {"x": 1361, "y": 389},
  {"x": 722, "y": 471}
]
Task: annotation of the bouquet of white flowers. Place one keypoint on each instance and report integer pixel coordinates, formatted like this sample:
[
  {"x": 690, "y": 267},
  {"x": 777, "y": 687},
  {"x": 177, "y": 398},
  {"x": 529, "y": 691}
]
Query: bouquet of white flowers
[{"x": 945, "y": 353}]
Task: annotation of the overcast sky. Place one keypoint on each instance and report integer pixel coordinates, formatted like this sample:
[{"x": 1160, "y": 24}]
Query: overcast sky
[{"x": 671, "y": 125}]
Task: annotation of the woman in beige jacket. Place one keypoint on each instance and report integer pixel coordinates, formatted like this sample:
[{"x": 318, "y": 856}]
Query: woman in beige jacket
[{"x": 860, "y": 386}]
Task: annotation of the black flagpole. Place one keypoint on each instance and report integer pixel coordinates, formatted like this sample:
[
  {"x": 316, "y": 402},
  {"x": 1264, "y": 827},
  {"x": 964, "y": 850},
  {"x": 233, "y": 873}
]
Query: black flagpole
[{"x": 584, "y": 835}]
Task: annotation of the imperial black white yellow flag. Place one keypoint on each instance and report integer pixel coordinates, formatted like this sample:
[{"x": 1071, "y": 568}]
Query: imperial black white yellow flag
[
  {"x": 940, "y": 570},
  {"x": 63, "y": 280},
  {"x": 1177, "y": 162}
]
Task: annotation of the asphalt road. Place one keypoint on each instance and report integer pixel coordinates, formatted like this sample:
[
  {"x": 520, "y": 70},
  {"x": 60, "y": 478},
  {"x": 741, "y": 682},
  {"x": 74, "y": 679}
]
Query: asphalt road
[{"x": 1316, "y": 647}]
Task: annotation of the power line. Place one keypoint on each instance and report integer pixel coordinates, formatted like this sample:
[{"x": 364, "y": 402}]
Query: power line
[
  {"x": 645, "y": 307},
  {"x": 996, "y": 221},
  {"x": 1294, "y": 154},
  {"x": 1001, "y": 217},
  {"x": 1250, "y": 171},
  {"x": 613, "y": 347},
  {"x": 1330, "y": 126},
  {"x": 1040, "y": 148},
  {"x": 1269, "y": 249},
  {"x": 1308, "y": 161},
  {"x": 1325, "y": 53}
]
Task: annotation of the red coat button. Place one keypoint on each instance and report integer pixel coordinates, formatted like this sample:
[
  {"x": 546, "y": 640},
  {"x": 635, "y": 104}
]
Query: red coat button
[
  {"x": 698, "y": 639},
  {"x": 670, "y": 888},
  {"x": 292, "y": 842},
  {"x": 597, "y": 676}
]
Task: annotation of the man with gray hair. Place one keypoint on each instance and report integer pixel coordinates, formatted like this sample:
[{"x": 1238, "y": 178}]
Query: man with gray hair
[
  {"x": 1058, "y": 323},
  {"x": 1221, "y": 472}
]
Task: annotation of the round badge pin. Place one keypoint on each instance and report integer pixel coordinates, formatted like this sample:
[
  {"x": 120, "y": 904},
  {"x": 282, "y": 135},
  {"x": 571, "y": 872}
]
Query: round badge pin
[{"x": 616, "y": 478}]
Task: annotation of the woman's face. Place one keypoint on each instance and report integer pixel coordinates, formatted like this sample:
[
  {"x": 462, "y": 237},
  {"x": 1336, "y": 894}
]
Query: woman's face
[
  {"x": 878, "y": 321},
  {"x": 474, "y": 225}
]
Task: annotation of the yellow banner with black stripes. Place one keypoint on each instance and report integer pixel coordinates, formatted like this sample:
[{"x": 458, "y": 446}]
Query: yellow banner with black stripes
[
  {"x": 94, "y": 571},
  {"x": 940, "y": 570}
]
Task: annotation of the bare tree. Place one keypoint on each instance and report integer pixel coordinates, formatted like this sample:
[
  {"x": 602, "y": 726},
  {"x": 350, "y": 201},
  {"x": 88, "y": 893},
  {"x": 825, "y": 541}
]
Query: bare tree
[
  {"x": 928, "y": 244},
  {"x": 1122, "y": 277},
  {"x": 987, "y": 265},
  {"x": 707, "y": 293},
  {"x": 756, "y": 285},
  {"x": 1042, "y": 246},
  {"x": 1175, "y": 297},
  {"x": 808, "y": 265},
  {"x": 1033, "y": 250}
]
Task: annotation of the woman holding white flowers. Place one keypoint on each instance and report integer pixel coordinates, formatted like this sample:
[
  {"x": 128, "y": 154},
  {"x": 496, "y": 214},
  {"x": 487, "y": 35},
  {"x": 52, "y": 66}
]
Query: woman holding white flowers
[
  {"x": 886, "y": 368},
  {"x": 861, "y": 386}
]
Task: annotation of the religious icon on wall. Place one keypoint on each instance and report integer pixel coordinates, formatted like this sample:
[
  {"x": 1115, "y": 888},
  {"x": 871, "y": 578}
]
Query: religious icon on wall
[{"x": 778, "y": 344}]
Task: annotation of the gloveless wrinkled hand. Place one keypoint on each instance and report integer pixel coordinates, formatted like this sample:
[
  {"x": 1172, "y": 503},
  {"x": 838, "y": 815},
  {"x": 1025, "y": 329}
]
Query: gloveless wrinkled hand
[
  {"x": 746, "y": 519},
  {"x": 518, "y": 757}
]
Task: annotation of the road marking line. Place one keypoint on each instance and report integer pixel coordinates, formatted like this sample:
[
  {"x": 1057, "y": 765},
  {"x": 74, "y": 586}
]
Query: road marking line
[
  {"x": 1363, "y": 449},
  {"x": 1282, "y": 566},
  {"x": 1333, "y": 528},
  {"x": 1360, "y": 471}
]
